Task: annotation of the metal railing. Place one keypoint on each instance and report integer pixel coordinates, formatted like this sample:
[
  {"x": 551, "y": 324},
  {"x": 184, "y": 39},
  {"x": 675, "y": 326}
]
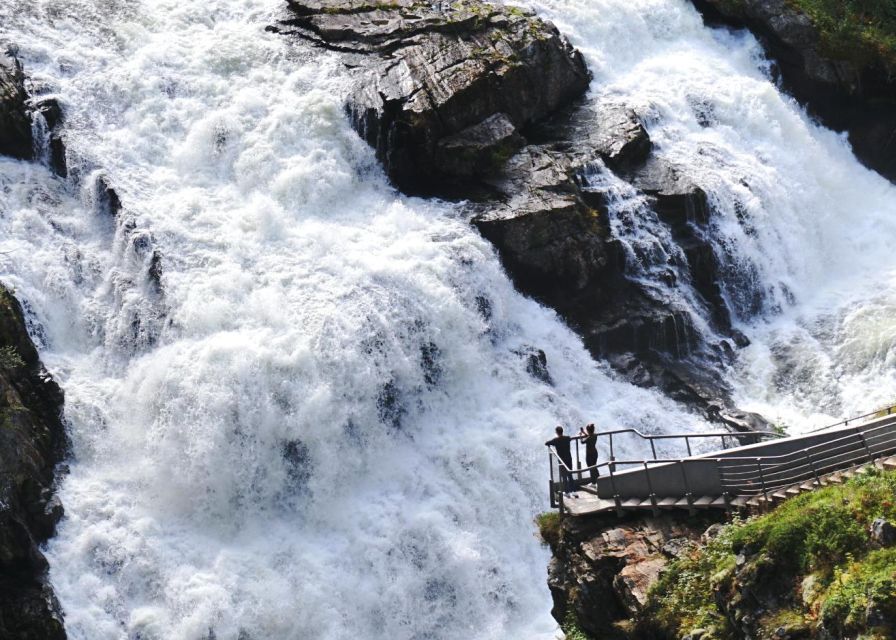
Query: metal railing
[
  {"x": 726, "y": 476},
  {"x": 724, "y": 437},
  {"x": 609, "y": 466},
  {"x": 880, "y": 412},
  {"x": 768, "y": 474}
]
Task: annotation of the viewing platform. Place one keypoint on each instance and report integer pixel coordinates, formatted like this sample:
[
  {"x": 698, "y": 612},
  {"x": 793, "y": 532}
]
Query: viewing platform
[{"x": 767, "y": 468}]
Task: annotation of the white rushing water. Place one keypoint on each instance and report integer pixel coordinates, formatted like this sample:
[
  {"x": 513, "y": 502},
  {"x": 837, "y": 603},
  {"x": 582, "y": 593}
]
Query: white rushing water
[
  {"x": 804, "y": 229},
  {"x": 323, "y": 427}
]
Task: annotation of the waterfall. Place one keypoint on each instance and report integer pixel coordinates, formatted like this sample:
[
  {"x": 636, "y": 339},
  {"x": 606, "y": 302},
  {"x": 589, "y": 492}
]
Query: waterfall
[
  {"x": 296, "y": 398},
  {"x": 801, "y": 229}
]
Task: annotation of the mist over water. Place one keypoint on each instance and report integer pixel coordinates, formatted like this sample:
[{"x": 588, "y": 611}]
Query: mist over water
[{"x": 323, "y": 426}]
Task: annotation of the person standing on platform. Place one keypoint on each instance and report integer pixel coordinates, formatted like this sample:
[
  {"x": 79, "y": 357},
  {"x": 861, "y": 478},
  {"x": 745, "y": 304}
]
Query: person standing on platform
[
  {"x": 590, "y": 439},
  {"x": 561, "y": 446}
]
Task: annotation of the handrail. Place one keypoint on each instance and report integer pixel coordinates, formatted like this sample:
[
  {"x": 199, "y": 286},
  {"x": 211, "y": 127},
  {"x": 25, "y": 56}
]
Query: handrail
[
  {"x": 661, "y": 436},
  {"x": 735, "y": 474},
  {"x": 871, "y": 414}
]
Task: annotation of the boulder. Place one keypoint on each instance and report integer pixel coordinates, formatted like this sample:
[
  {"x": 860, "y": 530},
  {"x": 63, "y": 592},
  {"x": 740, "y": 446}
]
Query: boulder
[
  {"x": 676, "y": 200},
  {"x": 620, "y": 138},
  {"x": 477, "y": 101},
  {"x": 883, "y": 533},
  {"x": 32, "y": 441},
  {"x": 551, "y": 239},
  {"x": 15, "y": 121},
  {"x": 453, "y": 84}
]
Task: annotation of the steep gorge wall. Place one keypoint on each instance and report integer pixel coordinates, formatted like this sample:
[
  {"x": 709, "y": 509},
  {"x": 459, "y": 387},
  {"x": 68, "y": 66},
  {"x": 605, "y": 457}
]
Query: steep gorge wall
[{"x": 32, "y": 434}]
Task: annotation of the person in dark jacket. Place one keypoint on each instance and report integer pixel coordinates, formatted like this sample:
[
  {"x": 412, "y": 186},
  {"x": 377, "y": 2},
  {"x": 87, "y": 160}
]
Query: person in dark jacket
[
  {"x": 561, "y": 446},
  {"x": 590, "y": 439}
]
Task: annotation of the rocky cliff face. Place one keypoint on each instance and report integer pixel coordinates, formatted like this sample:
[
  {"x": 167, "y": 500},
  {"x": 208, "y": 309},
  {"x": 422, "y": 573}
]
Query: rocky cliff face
[
  {"x": 447, "y": 87},
  {"x": 32, "y": 441},
  {"x": 15, "y": 122},
  {"x": 852, "y": 94},
  {"x": 818, "y": 566},
  {"x": 602, "y": 568},
  {"x": 476, "y": 101},
  {"x": 32, "y": 436}
]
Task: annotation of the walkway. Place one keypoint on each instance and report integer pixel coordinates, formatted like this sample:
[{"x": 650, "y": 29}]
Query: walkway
[{"x": 772, "y": 468}]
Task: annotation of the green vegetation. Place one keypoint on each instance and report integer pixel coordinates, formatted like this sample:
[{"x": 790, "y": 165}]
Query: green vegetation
[
  {"x": 682, "y": 599},
  {"x": 10, "y": 358},
  {"x": 861, "y": 31},
  {"x": 869, "y": 584},
  {"x": 571, "y": 628},
  {"x": 812, "y": 556},
  {"x": 549, "y": 527}
]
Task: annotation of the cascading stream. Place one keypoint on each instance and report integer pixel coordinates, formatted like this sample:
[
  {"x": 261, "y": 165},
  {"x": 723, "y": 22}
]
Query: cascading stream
[
  {"x": 323, "y": 426},
  {"x": 802, "y": 229}
]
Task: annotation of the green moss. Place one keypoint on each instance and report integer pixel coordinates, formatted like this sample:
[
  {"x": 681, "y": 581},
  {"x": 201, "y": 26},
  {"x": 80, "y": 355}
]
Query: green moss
[
  {"x": 862, "y": 31},
  {"x": 374, "y": 6},
  {"x": 10, "y": 358},
  {"x": 868, "y": 584},
  {"x": 824, "y": 532},
  {"x": 571, "y": 628},
  {"x": 549, "y": 527},
  {"x": 682, "y": 598},
  {"x": 818, "y": 529}
]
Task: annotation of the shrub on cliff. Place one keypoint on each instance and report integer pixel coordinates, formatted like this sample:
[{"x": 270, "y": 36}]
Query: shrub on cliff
[
  {"x": 809, "y": 568},
  {"x": 863, "y": 31}
]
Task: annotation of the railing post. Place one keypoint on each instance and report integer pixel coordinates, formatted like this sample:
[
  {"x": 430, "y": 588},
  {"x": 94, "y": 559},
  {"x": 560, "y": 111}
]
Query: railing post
[
  {"x": 612, "y": 464},
  {"x": 653, "y": 447},
  {"x": 762, "y": 480},
  {"x": 865, "y": 444},
  {"x": 654, "y": 509},
  {"x": 578, "y": 460},
  {"x": 687, "y": 490},
  {"x": 551, "y": 472},
  {"x": 616, "y": 499},
  {"x": 812, "y": 465},
  {"x": 687, "y": 443}
]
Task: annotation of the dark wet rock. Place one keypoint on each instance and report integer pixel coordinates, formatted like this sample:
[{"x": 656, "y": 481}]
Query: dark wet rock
[
  {"x": 857, "y": 95},
  {"x": 554, "y": 238},
  {"x": 15, "y": 120},
  {"x": 676, "y": 199},
  {"x": 480, "y": 149},
  {"x": 51, "y": 111},
  {"x": 536, "y": 364},
  {"x": 452, "y": 85},
  {"x": 430, "y": 360},
  {"x": 32, "y": 441},
  {"x": 621, "y": 139},
  {"x": 108, "y": 202},
  {"x": 551, "y": 240},
  {"x": 58, "y": 159},
  {"x": 154, "y": 271}
]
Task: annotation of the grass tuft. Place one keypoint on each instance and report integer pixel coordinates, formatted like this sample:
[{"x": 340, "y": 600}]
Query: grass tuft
[{"x": 549, "y": 528}]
